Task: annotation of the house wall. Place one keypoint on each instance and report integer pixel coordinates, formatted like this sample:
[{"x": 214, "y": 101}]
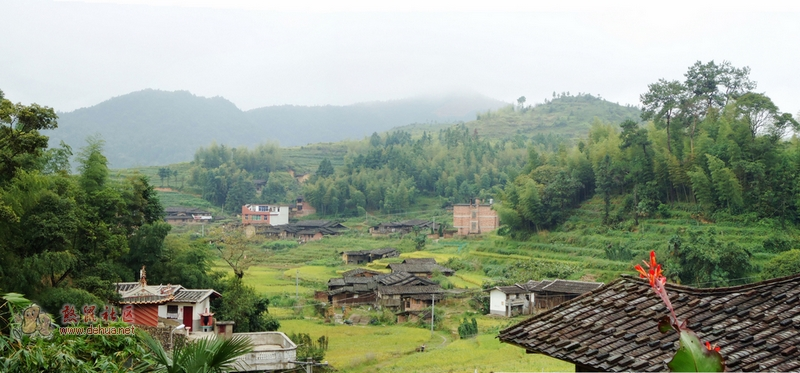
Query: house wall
[
  {"x": 145, "y": 314},
  {"x": 350, "y": 298},
  {"x": 197, "y": 309},
  {"x": 497, "y": 302},
  {"x": 275, "y": 215},
  {"x": 412, "y": 304},
  {"x": 474, "y": 219}
]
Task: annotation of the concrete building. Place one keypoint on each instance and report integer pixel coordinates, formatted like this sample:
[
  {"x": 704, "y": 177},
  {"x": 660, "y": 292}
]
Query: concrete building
[
  {"x": 265, "y": 214},
  {"x": 475, "y": 218}
]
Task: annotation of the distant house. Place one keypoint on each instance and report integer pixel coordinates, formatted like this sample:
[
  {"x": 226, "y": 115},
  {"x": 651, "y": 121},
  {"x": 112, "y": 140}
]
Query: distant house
[
  {"x": 552, "y": 293},
  {"x": 364, "y": 290},
  {"x": 422, "y": 267},
  {"x": 366, "y": 256},
  {"x": 300, "y": 208},
  {"x": 305, "y": 231},
  {"x": 265, "y": 214},
  {"x": 403, "y": 227},
  {"x": 184, "y": 215},
  {"x": 511, "y": 300},
  {"x": 615, "y": 327},
  {"x": 477, "y": 218},
  {"x": 409, "y": 297},
  {"x": 154, "y": 303}
]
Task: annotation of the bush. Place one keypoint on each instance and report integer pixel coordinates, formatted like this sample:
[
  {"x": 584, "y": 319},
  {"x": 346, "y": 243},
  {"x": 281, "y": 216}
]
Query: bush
[{"x": 468, "y": 329}]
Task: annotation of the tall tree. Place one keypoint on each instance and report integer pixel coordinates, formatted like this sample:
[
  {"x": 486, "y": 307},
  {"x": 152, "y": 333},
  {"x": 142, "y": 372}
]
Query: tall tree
[{"x": 661, "y": 103}]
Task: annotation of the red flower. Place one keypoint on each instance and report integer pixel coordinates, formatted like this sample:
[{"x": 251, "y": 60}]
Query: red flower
[
  {"x": 653, "y": 274},
  {"x": 715, "y": 348}
]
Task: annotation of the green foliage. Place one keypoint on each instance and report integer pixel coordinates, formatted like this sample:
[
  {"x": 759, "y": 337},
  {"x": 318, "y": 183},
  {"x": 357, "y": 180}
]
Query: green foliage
[
  {"x": 308, "y": 347},
  {"x": 692, "y": 356},
  {"x": 242, "y": 305},
  {"x": 786, "y": 263},
  {"x": 468, "y": 328},
  {"x": 706, "y": 261},
  {"x": 206, "y": 355},
  {"x": 523, "y": 271}
]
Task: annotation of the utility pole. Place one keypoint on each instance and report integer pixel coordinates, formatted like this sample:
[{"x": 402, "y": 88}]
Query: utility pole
[{"x": 433, "y": 311}]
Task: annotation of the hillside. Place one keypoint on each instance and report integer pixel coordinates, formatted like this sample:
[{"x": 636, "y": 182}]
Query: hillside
[
  {"x": 153, "y": 127},
  {"x": 569, "y": 116}
]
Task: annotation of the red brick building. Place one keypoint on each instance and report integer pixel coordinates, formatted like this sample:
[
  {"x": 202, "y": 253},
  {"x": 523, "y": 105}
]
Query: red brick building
[{"x": 474, "y": 218}]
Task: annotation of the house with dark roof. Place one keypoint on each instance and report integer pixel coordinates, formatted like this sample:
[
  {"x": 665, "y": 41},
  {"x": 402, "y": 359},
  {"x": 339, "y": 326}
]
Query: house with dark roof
[
  {"x": 615, "y": 327},
  {"x": 549, "y": 294},
  {"x": 422, "y": 267},
  {"x": 366, "y": 256},
  {"x": 183, "y": 215},
  {"x": 510, "y": 300},
  {"x": 363, "y": 290},
  {"x": 403, "y": 227},
  {"x": 305, "y": 231}
]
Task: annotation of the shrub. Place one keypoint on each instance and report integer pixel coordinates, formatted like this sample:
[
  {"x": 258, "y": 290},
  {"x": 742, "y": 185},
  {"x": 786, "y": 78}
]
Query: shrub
[{"x": 468, "y": 329}]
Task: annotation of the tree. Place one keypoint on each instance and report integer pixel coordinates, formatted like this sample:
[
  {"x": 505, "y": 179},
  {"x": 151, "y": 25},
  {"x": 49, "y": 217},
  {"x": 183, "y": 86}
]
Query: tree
[
  {"x": 662, "y": 102},
  {"x": 325, "y": 168},
  {"x": 234, "y": 249},
  {"x": 241, "y": 304},
  {"x": 21, "y": 144},
  {"x": 757, "y": 110},
  {"x": 604, "y": 184},
  {"x": 521, "y": 102}
]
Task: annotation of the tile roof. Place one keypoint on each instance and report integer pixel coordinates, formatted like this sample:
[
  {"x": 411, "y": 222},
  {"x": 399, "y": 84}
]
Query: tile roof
[
  {"x": 419, "y": 268},
  {"x": 537, "y": 285},
  {"x": 569, "y": 287},
  {"x": 419, "y": 260},
  {"x": 358, "y": 271},
  {"x": 402, "y": 279},
  {"x": 614, "y": 327},
  {"x": 194, "y": 295},
  {"x": 512, "y": 289},
  {"x": 408, "y": 290}
]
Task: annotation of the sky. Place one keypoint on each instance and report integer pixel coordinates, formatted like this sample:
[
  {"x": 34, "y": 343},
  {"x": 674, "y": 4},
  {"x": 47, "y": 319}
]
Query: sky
[{"x": 73, "y": 54}]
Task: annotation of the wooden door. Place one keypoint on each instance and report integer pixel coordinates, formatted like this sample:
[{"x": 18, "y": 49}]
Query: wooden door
[{"x": 187, "y": 316}]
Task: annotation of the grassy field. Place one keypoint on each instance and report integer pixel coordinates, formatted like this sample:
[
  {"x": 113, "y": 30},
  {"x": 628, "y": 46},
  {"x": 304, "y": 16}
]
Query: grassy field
[{"x": 355, "y": 348}]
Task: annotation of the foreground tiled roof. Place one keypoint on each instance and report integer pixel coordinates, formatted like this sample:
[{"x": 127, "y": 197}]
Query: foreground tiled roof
[{"x": 614, "y": 327}]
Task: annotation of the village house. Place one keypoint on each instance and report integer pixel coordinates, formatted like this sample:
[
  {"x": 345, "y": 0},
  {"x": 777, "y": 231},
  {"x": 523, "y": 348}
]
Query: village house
[
  {"x": 615, "y": 327},
  {"x": 552, "y": 293},
  {"x": 366, "y": 256},
  {"x": 359, "y": 290},
  {"x": 300, "y": 208},
  {"x": 404, "y": 227},
  {"x": 475, "y": 218},
  {"x": 402, "y": 298},
  {"x": 185, "y": 215},
  {"x": 421, "y": 267},
  {"x": 265, "y": 214},
  {"x": 304, "y": 231},
  {"x": 511, "y": 300},
  {"x": 154, "y": 304},
  {"x": 361, "y": 272}
]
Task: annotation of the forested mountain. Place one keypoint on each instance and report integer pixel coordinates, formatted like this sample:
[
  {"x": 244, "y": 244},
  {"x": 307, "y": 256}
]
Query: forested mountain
[{"x": 153, "y": 127}]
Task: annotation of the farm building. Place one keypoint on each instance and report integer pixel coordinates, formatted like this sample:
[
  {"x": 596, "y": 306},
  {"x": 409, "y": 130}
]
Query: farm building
[
  {"x": 422, "y": 267},
  {"x": 366, "y": 256}
]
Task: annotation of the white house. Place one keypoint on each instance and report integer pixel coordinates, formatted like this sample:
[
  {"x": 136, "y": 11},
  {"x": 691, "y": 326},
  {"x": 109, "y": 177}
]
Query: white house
[
  {"x": 265, "y": 214},
  {"x": 511, "y": 300}
]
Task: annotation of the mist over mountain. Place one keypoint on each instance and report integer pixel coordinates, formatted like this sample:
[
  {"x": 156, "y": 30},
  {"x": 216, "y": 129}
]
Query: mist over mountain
[{"x": 153, "y": 127}]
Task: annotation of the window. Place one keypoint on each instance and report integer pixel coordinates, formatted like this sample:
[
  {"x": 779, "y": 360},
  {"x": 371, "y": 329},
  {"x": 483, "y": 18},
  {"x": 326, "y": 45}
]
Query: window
[
  {"x": 263, "y": 208},
  {"x": 256, "y": 217},
  {"x": 474, "y": 214},
  {"x": 474, "y": 226},
  {"x": 172, "y": 312}
]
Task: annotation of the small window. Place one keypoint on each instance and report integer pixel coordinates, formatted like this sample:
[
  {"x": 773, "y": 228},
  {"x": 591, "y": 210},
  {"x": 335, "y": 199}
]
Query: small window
[
  {"x": 474, "y": 226},
  {"x": 263, "y": 208},
  {"x": 474, "y": 214},
  {"x": 172, "y": 309}
]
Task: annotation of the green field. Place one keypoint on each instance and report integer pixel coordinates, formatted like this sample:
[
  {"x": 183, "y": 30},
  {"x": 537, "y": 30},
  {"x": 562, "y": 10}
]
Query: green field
[{"x": 355, "y": 348}]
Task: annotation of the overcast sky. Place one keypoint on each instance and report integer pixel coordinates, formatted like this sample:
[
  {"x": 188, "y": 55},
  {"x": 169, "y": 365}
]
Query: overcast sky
[{"x": 70, "y": 54}]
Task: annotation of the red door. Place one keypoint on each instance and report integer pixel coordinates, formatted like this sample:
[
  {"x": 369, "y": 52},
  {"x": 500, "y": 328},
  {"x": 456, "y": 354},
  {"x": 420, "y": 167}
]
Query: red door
[{"x": 187, "y": 316}]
